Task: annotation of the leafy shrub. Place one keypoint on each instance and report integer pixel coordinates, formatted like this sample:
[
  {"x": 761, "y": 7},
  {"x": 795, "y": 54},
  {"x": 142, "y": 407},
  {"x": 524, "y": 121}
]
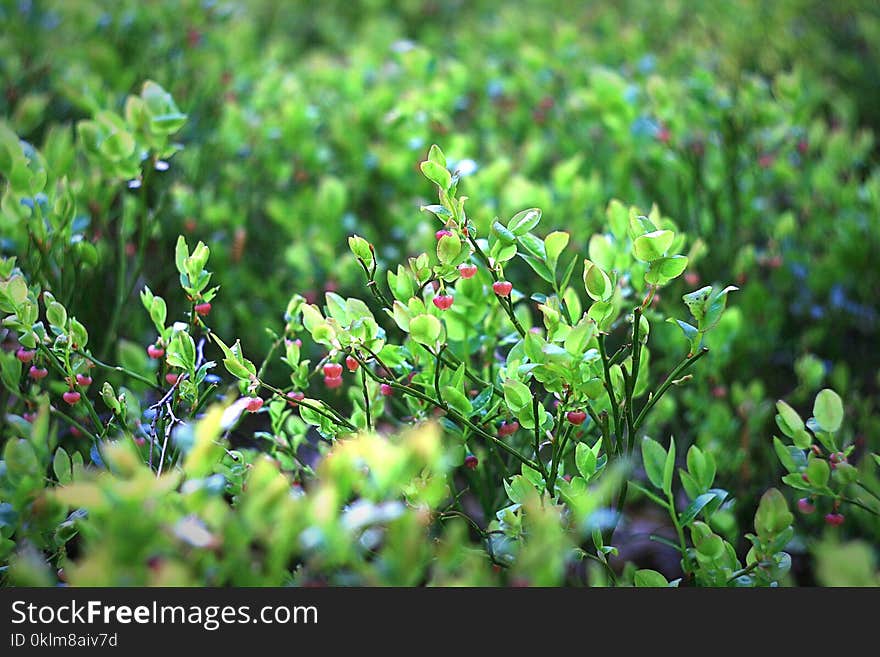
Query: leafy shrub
[{"x": 293, "y": 141}]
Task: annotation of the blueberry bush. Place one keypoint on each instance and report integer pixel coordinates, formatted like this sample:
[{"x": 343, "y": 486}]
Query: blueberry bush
[{"x": 438, "y": 294}]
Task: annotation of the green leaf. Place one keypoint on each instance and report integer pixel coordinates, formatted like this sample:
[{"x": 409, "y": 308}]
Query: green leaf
[
  {"x": 663, "y": 270},
  {"x": 693, "y": 509},
  {"x": 646, "y": 578},
  {"x": 109, "y": 397},
  {"x": 818, "y": 472},
  {"x": 654, "y": 460},
  {"x": 448, "y": 248},
  {"x": 57, "y": 315},
  {"x": 554, "y": 245},
  {"x": 539, "y": 267},
  {"x": 158, "y": 313},
  {"x": 596, "y": 282},
  {"x": 436, "y": 155},
  {"x": 437, "y": 174},
  {"x": 425, "y": 329},
  {"x": 795, "y": 480},
  {"x": 696, "y": 302},
  {"x": 361, "y": 249},
  {"x": 715, "y": 307},
  {"x": 618, "y": 218},
  {"x": 669, "y": 467},
  {"x": 523, "y": 222},
  {"x": 585, "y": 460},
  {"x": 457, "y": 399},
  {"x": 118, "y": 145},
  {"x": 580, "y": 335},
  {"x": 501, "y": 232},
  {"x": 783, "y": 454},
  {"x": 181, "y": 253},
  {"x": 828, "y": 410},
  {"x": 236, "y": 369},
  {"x": 61, "y": 466},
  {"x": 181, "y": 352},
  {"x": 601, "y": 250},
  {"x": 567, "y": 272},
  {"x": 653, "y": 245},
  {"x": 336, "y": 307},
  {"x": 773, "y": 515},
  {"x": 517, "y": 395},
  {"x": 788, "y": 420}
]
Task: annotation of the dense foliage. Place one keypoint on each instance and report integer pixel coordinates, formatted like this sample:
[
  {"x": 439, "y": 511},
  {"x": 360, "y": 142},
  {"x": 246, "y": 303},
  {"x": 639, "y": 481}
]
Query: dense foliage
[{"x": 439, "y": 293}]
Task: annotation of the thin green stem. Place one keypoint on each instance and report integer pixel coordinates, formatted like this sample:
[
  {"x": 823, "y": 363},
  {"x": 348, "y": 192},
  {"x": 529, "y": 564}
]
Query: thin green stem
[
  {"x": 634, "y": 374},
  {"x": 744, "y": 571},
  {"x": 72, "y": 421},
  {"x": 680, "y": 369},
  {"x": 409, "y": 390},
  {"x": 679, "y": 531},
  {"x": 541, "y": 468},
  {"x": 868, "y": 490},
  {"x": 66, "y": 372},
  {"x": 367, "y": 410},
  {"x": 505, "y": 303},
  {"x": 326, "y": 411},
  {"x": 118, "y": 368},
  {"x": 272, "y": 349},
  {"x": 609, "y": 387},
  {"x": 861, "y": 505}
]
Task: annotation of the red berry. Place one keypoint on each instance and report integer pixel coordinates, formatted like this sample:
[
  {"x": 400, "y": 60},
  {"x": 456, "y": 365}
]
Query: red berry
[
  {"x": 805, "y": 505},
  {"x": 567, "y": 477},
  {"x": 83, "y": 380},
  {"x": 467, "y": 270},
  {"x": 76, "y": 433},
  {"x": 155, "y": 352},
  {"x": 440, "y": 234},
  {"x": 71, "y": 397},
  {"x": 834, "y": 519},
  {"x": 471, "y": 462},
  {"x": 719, "y": 392},
  {"x": 692, "y": 278},
  {"x": 443, "y": 301},
  {"x": 140, "y": 441},
  {"x": 295, "y": 396},
  {"x": 203, "y": 308},
  {"x": 508, "y": 428},
  {"x": 576, "y": 417},
  {"x": 37, "y": 373},
  {"x": 502, "y": 288},
  {"x": 765, "y": 161},
  {"x": 386, "y": 390},
  {"x": 333, "y": 370},
  {"x": 171, "y": 377},
  {"x": 351, "y": 363},
  {"x": 25, "y": 355},
  {"x": 254, "y": 404},
  {"x": 332, "y": 382}
]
